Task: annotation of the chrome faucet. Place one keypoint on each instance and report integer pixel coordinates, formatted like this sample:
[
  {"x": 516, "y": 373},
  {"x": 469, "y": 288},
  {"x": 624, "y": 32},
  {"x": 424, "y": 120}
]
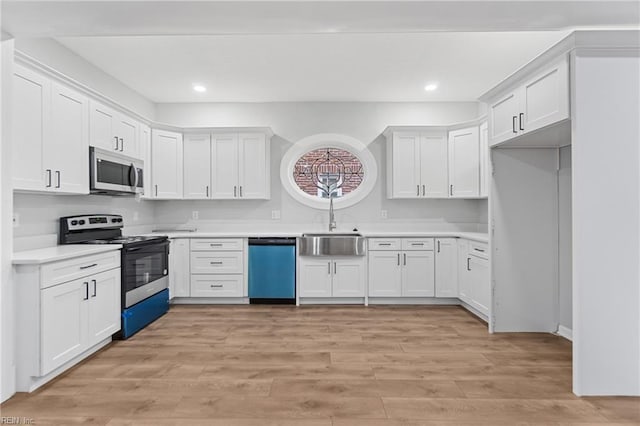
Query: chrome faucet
[{"x": 332, "y": 216}]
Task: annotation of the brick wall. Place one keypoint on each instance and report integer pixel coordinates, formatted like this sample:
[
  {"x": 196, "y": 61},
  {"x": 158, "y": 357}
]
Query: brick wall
[{"x": 331, "y": 163}]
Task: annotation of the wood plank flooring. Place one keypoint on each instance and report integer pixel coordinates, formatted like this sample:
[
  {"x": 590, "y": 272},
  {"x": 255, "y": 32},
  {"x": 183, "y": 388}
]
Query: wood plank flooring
[{"x": 322, "y": 366}]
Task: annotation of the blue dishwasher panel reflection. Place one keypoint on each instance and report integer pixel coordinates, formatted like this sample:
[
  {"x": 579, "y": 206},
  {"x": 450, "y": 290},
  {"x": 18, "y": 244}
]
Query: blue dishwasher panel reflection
[{"x": 272, "y": 270}]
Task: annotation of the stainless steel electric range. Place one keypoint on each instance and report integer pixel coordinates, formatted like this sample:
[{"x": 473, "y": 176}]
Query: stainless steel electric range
[{"x": 144, "y": 266}]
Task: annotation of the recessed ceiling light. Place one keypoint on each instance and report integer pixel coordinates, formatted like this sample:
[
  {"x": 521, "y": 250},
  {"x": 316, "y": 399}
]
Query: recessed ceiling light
[
  {"x": 199, "y": 88},
  {"x": 431, "y": 87}
]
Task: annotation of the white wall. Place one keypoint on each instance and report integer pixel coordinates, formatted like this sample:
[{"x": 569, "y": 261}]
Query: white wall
[
  {"x": 606, "y": 225},
  {"x": 565, "y": 281},
  {"x": 293, "y": 121},
  {"x": 57, "y": 56},
  {"x": 38, "y": 215},
  {"x": 7, "y": 325}
]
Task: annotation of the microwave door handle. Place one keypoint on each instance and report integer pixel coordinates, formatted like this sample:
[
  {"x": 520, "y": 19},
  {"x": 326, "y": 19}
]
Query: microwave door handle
[{"x": 133, "y": 171}]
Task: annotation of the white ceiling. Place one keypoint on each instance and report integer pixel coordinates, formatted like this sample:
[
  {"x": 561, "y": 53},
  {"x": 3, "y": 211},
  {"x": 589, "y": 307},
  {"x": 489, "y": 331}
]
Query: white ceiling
[
  {"x": 294, "y": 50},
  {"x": 313, "y": 67}
]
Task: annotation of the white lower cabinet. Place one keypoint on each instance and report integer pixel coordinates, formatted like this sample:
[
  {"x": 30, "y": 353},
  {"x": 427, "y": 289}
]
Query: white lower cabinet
[
  {"x": 401, "y": 273},
  {"x": 324, "y": 277},
  {"x": 446, "y": 267},
  {"x": 77, "y": 315},
  {"x": 217, "y": 267},
  {"x": 179, "y": 283},
  {"x": 64, "y": 326},
  {"x": 474, "y": 277},
  {"x": 73, "y": 318}
]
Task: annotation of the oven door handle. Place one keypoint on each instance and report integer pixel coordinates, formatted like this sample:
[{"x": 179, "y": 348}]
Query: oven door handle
[{"x": 153, "y": 247}]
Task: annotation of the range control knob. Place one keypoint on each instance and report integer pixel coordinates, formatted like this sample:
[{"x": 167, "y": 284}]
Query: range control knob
[
  {"x": 81, "y": 222},
  {"x": 74, "y": 222}
]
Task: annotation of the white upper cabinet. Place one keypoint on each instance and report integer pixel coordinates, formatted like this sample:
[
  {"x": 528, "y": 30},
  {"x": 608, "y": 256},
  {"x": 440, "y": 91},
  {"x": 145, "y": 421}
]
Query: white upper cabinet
[
  {"x": 541, "y": 100},
  {"x": 31, "y": 118},
  {"x": 166, "y": 164},
  {"x": 240, "y": 166},
  {"x": 433, "y": 165},
  {"x": 464, "y": 163},
  {"x": 405, "y": 165},
  {"x": 485, "y": 160},
  {"x": 114, "y": 131},
  {"x": 197, "y": 174},
  {"x": 224, "y": 162},
  {"x": 50, "y": 135},
  {"x": 253, "y": 169},
  {"x": 418, "y": 164},
  {"x": 67, "y": 151}
]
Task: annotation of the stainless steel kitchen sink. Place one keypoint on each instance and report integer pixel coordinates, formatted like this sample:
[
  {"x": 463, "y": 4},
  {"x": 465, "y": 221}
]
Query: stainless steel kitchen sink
[{"x": 332, "y": 244}]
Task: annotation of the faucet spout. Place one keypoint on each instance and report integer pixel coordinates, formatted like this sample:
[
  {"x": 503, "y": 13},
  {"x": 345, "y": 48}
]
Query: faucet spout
[{"x": 332, "y": 216}]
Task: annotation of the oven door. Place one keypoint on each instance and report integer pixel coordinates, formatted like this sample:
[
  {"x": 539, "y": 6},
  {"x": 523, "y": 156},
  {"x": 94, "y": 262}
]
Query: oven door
[
  {"x": 145, "y": 271},
  {"x": 114, "y": 173}
]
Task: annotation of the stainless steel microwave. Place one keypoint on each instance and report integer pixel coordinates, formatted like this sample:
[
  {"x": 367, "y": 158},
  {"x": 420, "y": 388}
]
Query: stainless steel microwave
[{"x": 115, "y": 174}]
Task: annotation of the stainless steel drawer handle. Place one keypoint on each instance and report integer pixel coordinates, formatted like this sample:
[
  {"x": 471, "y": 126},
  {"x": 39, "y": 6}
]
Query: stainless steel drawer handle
[
  {"x": 216, "y": 286},
  {"x": 468, "y": 260},
  {"x": 95, "y": 288},
  {"x": 417, "y": 244},
  {"x": 398, "y": 259},
  {"x": 86, "y": 291},
  {"x": 384, "y": 244},
  {"x": 438, "y": 246},
  {"x": 216, "y": 263},
  {"x": 89, "y": 266},
  {"x": 216, "y": 244},
  {"x": 480, "y": 250},
  {"x": 405, "y": 259}
]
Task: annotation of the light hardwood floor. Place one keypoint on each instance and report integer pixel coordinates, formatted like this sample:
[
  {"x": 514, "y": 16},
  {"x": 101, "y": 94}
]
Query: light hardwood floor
[{"x": 322, "y": 366}]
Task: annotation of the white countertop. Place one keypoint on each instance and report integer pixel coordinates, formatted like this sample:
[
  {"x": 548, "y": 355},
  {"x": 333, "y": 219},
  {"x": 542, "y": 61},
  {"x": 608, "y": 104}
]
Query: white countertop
[
  {"x": 475, "y": 236},
  {"x": 56, "y": 253}
]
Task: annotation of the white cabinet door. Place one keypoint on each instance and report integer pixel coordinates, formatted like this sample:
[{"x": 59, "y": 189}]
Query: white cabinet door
[
  {"x": 197, "y": 166},
  {"x": 63, "y": 323},
  {"x": 166, "y": 163},
  {"x": 102, "y": 127},
  {"x": 349, "y": 277},
  {"x": 485, "y": 162},
  {"x": 464, "y": 163},
  {"x": 385, "y": 274},
  {"x": 145, "y": 153},
  {"x": 253, "y": 178},
  {"x": 315, "y": 277},
  {"x": 434, "y": 177},
  {"x": 480, "y": 284},
  {"x": 405, "y": 166},
  {"x": 446, "y": 267},
  {"x": 504, "y": 118},
  {"x": 224, "y": 163},
  {"x": 30, "y": 123},
  {"x": 104, "y": 305},
  {"x": 179, "y": 268},
  {"x": 127, "y": 133},
  {"x": 418, "y": 275},
  {"x": 67, "y": 150},
  {"x": 545, "y": 98},
  {"x": 464, "y": 278}
]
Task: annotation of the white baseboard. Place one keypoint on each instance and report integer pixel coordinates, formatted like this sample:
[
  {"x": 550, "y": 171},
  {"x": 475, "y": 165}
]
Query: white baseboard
[{"x": 565, "y": 332}]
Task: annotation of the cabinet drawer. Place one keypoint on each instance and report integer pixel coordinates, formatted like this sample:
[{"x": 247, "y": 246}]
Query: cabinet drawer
[
  {"x": 479, "y": 249},
  {"x": 385, "y": 243},
  {"x": 216, "y": 285},
  {"x": 216, "y": 244},
  {"x": 71, "y": 269},
  {"x": 222, "y": 262},
  {"x": 417, "y": 244}
]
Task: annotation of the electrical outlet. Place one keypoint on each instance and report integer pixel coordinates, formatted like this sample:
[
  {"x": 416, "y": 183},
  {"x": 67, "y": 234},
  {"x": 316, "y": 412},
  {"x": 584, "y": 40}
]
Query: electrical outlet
[
  {"x": 275, "y": 214},
  {"x": 136, "y": 216},
  {"x": 194, "y": 215},
  {"x": 383, "y": 214},
  {"x": 16, "y": 220}
]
